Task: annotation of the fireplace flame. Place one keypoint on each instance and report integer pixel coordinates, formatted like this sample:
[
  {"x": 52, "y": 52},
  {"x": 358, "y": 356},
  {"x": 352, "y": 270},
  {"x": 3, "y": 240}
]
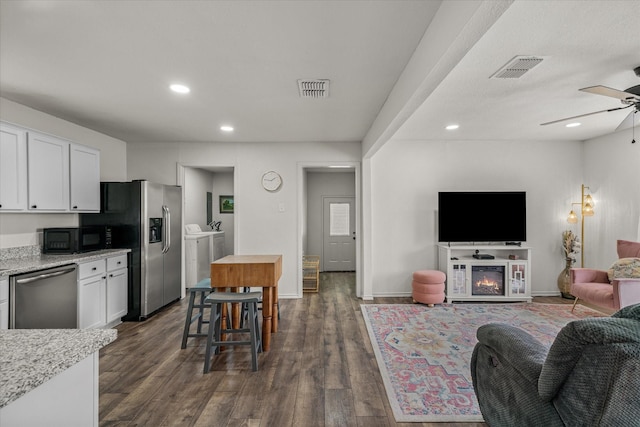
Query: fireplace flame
[{"x": 487, "y": 283}]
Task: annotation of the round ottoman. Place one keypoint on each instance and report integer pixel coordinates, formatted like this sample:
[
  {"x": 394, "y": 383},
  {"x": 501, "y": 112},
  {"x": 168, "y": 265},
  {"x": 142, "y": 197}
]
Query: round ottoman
[{"x": 428, "y": 287}]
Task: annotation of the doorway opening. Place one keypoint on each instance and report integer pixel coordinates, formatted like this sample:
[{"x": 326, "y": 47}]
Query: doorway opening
[
  {"x": 206, "y": 193},
  {"x": 329, "y": 215}
]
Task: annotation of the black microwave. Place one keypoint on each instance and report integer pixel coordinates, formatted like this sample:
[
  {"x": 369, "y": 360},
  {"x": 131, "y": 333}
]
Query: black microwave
[{"x": 72, "y": 240}]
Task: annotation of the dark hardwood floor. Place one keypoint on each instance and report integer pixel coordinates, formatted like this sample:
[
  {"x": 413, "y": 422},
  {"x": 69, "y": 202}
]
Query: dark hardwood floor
[{"x": 320, "y": 371}]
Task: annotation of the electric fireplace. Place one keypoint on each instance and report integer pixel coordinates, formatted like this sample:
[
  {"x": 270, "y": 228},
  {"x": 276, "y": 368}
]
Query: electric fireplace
[{"x": 487, "y": 280}]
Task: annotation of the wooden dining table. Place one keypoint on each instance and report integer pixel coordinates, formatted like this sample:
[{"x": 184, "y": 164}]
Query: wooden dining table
[{"x": 264, "y": 271}]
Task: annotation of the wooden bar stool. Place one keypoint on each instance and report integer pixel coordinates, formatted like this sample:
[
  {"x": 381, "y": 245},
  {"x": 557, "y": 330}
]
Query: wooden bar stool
[
  {"x": 203, "y": 288},
  {"x": 215, "y": 333}
]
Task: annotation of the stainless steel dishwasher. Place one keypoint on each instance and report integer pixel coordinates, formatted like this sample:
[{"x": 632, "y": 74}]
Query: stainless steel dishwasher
[{"x": 44, "y": 299}]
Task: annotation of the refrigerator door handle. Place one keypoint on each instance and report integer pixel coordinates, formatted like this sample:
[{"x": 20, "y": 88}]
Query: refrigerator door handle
[{"x": 167, "y": 229}]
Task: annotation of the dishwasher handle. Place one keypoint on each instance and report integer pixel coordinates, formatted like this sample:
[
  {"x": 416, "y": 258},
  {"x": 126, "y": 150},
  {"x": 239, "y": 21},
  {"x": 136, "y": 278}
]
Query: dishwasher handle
[{"x": 44, "y": 276}]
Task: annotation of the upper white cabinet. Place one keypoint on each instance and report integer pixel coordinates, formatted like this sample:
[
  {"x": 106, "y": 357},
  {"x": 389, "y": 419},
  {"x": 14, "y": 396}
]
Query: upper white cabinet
[
  {"x": 13, "y": 168},
  {"x": 84, "y": 177},
  {"x": 44, "y": 173},
  {"x": 48, "y": 170}
]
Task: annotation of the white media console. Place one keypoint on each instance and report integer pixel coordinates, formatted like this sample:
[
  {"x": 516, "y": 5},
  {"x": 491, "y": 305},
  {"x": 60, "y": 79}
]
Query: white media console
[{"x": 505, "y": 277}]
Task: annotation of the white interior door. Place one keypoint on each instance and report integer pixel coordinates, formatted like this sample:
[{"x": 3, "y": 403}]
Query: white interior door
[{"x": 339, "y": 234}]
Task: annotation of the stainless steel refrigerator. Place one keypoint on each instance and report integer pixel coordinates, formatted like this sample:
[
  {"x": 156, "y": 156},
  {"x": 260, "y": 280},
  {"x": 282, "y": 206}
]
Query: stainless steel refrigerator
[{"x": 147, "y": 218}]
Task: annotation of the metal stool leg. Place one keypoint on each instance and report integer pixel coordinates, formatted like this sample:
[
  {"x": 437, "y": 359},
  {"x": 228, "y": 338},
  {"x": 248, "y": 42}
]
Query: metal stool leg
[
  {"x": 187, "y": 322},
  {"x": 254, "y": 335},
  {"x": 213, "y": 334}
]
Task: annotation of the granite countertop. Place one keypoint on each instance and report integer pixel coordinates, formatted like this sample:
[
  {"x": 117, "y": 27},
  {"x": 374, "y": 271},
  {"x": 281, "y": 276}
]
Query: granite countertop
[
  {"x": 30, "y": 357},
  {"x": 11, "y": 267}
]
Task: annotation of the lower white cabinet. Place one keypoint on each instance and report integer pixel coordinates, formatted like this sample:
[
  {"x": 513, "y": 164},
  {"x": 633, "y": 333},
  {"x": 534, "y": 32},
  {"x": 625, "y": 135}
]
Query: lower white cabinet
[
  {"x": 4, "y": 303},
  {"x": 102, "y": 292},
  {"x": 92, "y": 296},
  {"x": 68, "y": 399},
  {"x": 117, "y": 287}
]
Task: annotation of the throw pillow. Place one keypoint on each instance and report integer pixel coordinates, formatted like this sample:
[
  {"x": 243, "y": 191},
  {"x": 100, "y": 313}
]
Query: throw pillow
[{"x": 628, "y": 268}]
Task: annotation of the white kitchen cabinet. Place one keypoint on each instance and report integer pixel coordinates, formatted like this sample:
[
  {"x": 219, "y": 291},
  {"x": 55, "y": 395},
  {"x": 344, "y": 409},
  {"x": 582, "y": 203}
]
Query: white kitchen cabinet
[
  {"x": 84, "y": 178},
  {"x": 48, "y": 172},
  {"x": 68, "y": 399},
  {"x": 44, "y": 173},
  {"x": 4, "y": 303},
  {"x": 102, "y": 292},
  {"x": 92, "y": 285},
  {"x": 13, "y": 168},
  {"x": 117, "y": 287}
]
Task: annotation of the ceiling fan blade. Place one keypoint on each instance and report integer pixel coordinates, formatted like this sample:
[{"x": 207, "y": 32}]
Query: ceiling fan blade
[
  {"x": 632, "y": 119},
  {"x": 607, "y": 91},
  {"x": 585, "y": 115}
]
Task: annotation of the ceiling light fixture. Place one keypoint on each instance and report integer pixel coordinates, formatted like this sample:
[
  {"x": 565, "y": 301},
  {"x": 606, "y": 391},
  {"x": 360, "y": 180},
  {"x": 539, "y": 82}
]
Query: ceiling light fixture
[
  {"x": 226, "y": 128},
  {"x": 452, "y": 127},
  {"x": 178, "y": 88},
  {"x": 573, "y": 125}
]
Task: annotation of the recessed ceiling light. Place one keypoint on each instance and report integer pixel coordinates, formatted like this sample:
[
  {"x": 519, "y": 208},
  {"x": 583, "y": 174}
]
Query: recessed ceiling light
[
  {"x": 179, "y": 88},
  {"x": 452, "y": 127},
  {"x": 573, "y": 125},
  {"x": 226, "y": 128},
  {"x": 339, "y": 166}
]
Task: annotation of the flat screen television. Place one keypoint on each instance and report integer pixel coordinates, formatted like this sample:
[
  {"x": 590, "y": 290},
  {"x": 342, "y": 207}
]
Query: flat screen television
[{"x": 482, "y": 216}]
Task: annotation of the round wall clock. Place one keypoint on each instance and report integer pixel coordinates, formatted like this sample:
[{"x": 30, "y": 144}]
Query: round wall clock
[{"x": 271, "y": 181}]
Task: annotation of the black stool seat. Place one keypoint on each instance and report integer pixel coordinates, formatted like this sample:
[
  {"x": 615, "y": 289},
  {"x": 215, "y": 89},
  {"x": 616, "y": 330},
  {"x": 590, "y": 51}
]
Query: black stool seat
[{"x": 214, "y": 336}]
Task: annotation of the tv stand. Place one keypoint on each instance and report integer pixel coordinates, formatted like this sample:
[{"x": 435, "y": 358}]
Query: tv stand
[{"x": 504, "y": 276}]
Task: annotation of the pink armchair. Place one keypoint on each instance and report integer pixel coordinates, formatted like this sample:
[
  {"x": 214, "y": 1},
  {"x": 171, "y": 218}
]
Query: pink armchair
[{"x": 594, "y": 286}]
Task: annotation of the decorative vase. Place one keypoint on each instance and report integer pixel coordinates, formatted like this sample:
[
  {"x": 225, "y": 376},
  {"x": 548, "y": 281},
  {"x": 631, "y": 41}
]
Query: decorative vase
[{"x": 564, "y": 281}]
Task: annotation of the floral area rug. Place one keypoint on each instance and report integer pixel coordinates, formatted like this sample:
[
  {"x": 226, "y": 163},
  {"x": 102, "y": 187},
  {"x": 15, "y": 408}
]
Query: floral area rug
[{"x": 424, "y": 353}]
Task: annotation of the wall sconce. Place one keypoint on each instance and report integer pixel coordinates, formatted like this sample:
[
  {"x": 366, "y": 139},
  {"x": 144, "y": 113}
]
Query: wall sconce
[{"x": 586, "y": 209}]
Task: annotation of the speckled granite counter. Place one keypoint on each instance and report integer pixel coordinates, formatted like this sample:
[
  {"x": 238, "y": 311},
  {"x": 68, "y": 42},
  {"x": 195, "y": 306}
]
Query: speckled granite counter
[
  {"x": 11, "y": 267},
  {"x": 30, "y": 357}
]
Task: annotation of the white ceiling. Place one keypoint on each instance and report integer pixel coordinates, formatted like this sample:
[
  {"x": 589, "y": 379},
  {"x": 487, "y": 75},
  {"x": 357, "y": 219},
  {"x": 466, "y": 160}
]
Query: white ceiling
[{"x": 107, "y": 65}]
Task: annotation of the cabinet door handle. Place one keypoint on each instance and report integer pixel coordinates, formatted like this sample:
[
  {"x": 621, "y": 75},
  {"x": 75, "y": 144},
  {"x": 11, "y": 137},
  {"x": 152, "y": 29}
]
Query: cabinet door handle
[
  {"x": 34, "y": 206},
  {"x": 75, "y": 207}
]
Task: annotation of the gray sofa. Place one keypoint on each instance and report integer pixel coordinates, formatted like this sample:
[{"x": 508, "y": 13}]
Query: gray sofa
[{"x": 590, "y": 376}]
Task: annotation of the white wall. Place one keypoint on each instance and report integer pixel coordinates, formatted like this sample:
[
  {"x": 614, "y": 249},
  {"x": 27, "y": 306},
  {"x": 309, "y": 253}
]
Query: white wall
[
  {"x": 197, "y": 182},
  {"x": 20, "y": 229},
  {"x": 223, "y": 186},
  {"x": 405, "y": 180},
  {"x": 612, "y": 171},
  {"x": 259, "y": 225}
]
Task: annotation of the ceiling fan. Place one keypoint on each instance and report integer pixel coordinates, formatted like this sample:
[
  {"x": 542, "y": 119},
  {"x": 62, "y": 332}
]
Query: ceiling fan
[{"x": 629, "y": 97}]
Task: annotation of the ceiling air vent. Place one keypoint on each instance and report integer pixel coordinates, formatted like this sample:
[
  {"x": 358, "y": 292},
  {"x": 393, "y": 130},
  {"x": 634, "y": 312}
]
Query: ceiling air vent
[
  {"x": 313, "y": 88},
  {"x": 517, "y": 67}
]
